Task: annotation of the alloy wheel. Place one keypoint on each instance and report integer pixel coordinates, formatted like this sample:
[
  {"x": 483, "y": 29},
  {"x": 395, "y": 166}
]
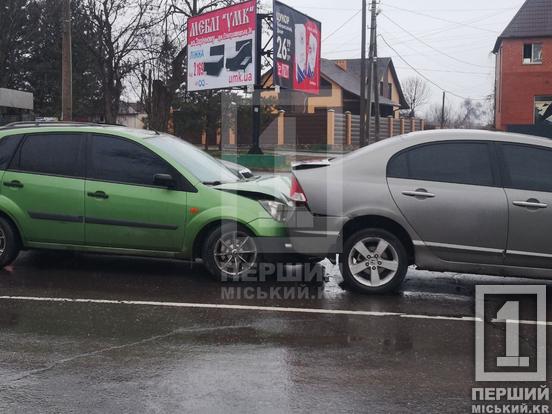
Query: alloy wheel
[
  {"x": 373, "y": 262},
  {"x": 235, "y": 253}
]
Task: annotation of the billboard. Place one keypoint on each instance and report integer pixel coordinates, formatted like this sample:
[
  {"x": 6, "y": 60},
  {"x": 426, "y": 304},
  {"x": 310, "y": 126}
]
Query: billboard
[
  {"x": 221, "y": 47},
  {"x": 297, "y": 40}
]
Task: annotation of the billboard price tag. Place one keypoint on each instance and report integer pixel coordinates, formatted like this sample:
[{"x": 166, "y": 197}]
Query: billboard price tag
[
  {"x": 297, "y": 40},
  {"x": 221, "y": 47}
]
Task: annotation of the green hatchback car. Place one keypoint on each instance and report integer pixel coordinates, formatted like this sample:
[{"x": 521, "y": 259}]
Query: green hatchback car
[{"x": 109, "y": 189}]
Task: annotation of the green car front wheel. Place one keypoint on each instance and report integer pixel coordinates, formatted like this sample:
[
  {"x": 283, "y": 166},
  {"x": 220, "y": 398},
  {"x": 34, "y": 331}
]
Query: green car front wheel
[
  {"x": 9, "y": 242},
  {"x": 230, "y": 252}
]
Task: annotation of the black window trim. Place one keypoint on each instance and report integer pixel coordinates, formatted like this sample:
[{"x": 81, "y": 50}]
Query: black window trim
[
  {"x": 497, "y": 181},
  {"x": 14, "y": 164},
  {"x": 182, "y": 183},
  {"x": 505, "y": 170},
  {"x": 15, "y": 151}
]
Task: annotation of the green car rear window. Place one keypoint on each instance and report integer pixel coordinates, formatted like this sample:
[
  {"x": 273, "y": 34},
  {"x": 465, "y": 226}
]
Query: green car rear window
[{"x": 8, "y": 145}]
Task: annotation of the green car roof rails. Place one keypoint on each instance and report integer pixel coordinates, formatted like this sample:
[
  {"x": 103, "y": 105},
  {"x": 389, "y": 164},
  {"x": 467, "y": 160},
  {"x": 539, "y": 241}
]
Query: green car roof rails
[{"x": 35, "y": 124}]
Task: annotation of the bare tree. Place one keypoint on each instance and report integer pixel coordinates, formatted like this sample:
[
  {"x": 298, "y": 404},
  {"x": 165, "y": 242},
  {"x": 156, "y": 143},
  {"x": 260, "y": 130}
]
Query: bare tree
[
  {"x": 434, "y": 114},
  {"x": 472, "y": 115},
  {"x": 417, "y": 94},
  {"x": 489, "y": 104},
  {"x": 117, "y": 35},
  {"x": 468, "y": 114}
]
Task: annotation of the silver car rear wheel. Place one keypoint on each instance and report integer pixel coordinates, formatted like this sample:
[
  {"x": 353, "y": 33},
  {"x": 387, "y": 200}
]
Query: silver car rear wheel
[{"x": 373, "y": 262}]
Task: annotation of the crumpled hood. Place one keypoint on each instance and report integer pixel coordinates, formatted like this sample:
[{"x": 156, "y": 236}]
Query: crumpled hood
[{"x": 275, "y": 187}]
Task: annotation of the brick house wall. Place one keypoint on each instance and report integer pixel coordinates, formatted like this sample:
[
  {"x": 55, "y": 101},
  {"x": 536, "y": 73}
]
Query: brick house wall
[{"x": 517, "y": 84}]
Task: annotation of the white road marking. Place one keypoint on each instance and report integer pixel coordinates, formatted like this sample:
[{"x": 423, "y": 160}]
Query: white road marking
[
  {"x": 444, "y": 318},
  {"x": 522, "y": 322},
  {"x": 252, "y": 308}
]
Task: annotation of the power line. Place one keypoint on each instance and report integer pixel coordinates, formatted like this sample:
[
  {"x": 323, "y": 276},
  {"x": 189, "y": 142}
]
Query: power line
[
  {"x": 469, "y": 10},
  {"x": 343, "y": 25},
  {"x": 449, "y": 71},
  {"x": 433, "y": 33},
  {"x": 444, "y": 40},
  {"x": 442, "y": 19},
  {"x": 328, "y": 8},
  {"x": 433, "y": 48},
  {"x": 339, "y": 49},
  {"x": 425, "y": 77},
  {"x": 457, "y": 10}
]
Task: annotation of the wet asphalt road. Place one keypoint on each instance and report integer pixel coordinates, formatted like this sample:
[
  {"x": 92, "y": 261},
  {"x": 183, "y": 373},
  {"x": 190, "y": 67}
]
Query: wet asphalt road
[{"x": 153, "y": 354}]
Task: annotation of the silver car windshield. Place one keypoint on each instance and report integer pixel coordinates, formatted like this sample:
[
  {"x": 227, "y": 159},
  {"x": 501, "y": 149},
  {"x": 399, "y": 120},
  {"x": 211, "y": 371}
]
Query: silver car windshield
[{"x": 203, "y": 166}]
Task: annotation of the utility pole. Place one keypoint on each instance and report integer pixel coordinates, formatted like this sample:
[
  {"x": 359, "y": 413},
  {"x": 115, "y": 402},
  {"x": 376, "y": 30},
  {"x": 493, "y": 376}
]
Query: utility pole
[
  {"x": 150, "y": 96},
  {"x": 371, "y": 67},
  {"x": 67, "y": 65},
  {"x": 256, "y": 96},
  {"x": 443, "y": 111},
  {"x": 363, "y": 79},
  {"x": 376, "y": 89}
]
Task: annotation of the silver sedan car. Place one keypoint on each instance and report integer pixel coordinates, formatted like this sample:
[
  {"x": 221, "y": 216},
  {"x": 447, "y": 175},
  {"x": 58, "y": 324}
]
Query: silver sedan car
[{"x": 458, "y": 201}]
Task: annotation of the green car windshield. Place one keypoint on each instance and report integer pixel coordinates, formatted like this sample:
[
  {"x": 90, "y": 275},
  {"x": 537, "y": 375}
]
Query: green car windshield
[{"x": 204, "y": 167}]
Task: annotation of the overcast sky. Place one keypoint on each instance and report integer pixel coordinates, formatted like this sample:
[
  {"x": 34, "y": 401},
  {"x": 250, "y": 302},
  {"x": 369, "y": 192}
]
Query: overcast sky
[{"x": 431, "y": 29}]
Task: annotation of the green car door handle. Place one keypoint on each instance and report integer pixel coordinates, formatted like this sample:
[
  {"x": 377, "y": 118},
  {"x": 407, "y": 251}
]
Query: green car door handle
[
  {"x": 98, "y": 194},
  {"x": 13, "y": 184}
]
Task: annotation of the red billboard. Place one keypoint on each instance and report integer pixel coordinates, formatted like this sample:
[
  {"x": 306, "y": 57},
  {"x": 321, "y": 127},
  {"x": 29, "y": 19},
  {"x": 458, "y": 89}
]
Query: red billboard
[{"x": 221, "y": 47}]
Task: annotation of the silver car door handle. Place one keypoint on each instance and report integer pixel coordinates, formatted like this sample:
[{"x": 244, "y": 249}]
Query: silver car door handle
[
  {"x": 530, "y": 204},
  {"x": 419, "y": 194}
]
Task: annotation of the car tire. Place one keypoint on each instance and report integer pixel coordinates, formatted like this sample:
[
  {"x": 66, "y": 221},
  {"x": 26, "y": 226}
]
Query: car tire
[
  {"x": 10, "y": 244},
  {"x": 221, "y": 247},
  {"x": 373, "y": 261}
]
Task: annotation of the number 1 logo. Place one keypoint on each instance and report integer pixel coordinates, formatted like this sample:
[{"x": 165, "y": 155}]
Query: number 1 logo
[{"x": 509, "y": 313}]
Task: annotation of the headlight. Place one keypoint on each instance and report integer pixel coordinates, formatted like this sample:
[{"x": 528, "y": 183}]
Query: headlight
[{"x": 278, "y": 211}]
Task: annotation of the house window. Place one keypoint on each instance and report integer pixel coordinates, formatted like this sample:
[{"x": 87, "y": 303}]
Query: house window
[
  {"x": 532, "y": 53},
  {"x": 386, "y": 92},
  {"x": 543, "y": 110}
]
